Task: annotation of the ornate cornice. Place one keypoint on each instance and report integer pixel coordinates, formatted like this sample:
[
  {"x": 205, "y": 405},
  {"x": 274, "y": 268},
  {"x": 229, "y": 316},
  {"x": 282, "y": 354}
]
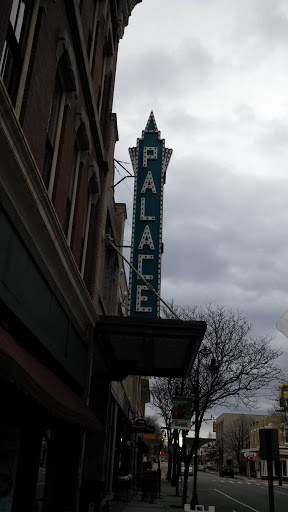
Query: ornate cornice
[{"x": 124, "y": 12}]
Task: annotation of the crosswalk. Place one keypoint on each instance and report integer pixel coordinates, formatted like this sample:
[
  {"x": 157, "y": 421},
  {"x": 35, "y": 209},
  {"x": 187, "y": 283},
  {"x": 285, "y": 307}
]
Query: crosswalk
[
  {"x": 243, "y": 482},
  {"x": 239, "y": 482}
]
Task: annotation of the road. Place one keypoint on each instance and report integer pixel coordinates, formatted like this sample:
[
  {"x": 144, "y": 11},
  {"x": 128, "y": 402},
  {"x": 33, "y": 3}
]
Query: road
[{"x": 236, "y": 495}]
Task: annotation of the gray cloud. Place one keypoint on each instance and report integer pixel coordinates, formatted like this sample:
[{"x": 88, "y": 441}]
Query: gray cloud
[
  {"x": 225, "y": 240},
  {"x": 167, "y": 71},
  {"x": 273, "y": 136},
  {"x": 218, "y": 87}
]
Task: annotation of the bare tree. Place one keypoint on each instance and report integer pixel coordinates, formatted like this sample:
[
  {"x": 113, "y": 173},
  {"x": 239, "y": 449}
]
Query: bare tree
[
  {"x": 244, "y": 365},
  {"x": 154, "y": 444},
  {"x": 237, "y": 437},
  {"x": 278, "y": 416}
]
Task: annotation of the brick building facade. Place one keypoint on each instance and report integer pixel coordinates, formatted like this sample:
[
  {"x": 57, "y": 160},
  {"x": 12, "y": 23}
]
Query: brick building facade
[
  {"x": 57, "y": 138},
  {"x": 70, "y": 359}
]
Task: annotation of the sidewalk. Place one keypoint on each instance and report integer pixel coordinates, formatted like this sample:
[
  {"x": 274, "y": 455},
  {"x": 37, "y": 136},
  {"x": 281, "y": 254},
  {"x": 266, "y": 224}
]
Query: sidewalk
[{"x": 167, "y": 501}]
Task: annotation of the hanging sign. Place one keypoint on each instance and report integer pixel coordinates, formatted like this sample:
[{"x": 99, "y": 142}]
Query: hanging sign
[
  {"x": 181, "y": 412},
  {"x": 150, "y": 160},
  {"x": 149, "y": 436}
]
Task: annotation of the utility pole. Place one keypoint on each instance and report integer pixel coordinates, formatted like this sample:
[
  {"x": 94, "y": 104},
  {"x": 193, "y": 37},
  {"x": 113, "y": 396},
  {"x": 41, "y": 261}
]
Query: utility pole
[{"x": 194, "y": 500}]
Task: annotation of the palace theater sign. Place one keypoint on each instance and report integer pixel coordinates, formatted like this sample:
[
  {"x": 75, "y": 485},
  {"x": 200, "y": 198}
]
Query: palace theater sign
[{"x": 150, "y": 160}]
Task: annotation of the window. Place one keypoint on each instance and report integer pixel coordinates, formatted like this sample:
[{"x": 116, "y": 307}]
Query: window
[
  {"x": 264, "y": 468},
  {"x": 65, "y": 91},
  {"x": 81, "y": 152},
  {"x": 75, "y": 165},
  {"x": 93, "y": 196},
  {"x": 106, "y": 77},
  {"x": 14, "y": 46},
  {"x": 53, "y": 132},
  {"x": 71, "y": 200}
]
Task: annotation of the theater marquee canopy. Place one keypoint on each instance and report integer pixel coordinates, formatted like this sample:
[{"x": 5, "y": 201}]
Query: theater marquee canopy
[{"x": 149, "y": 346}]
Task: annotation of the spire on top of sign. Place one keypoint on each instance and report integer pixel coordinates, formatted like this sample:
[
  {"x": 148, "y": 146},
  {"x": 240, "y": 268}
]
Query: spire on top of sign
[{"x": 151, "y": 125}]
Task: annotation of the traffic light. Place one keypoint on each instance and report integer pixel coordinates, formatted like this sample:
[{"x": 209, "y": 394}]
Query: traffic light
[{"x": 214, "y": 426}]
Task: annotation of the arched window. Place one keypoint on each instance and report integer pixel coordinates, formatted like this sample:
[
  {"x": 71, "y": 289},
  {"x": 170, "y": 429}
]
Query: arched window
[
  {"x": 81, "y": 153},
  {"x": 94, "y": 191},
  {"x": 65, "y": 90},
  {"x": 106, "y": 74}
]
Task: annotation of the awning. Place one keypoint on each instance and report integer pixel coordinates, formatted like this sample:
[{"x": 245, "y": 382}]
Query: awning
[
  {"x": 19, "y": 367},
  {"x": 146, "y": 346}
]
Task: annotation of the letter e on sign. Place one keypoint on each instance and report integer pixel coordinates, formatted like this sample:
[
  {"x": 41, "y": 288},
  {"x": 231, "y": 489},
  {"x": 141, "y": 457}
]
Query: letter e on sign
[{"x": 142, "y": 298}]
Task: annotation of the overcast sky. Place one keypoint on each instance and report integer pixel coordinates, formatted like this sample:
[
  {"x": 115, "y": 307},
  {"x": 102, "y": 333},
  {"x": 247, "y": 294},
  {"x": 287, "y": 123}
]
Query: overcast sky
[{"x": 215, "y": 73}]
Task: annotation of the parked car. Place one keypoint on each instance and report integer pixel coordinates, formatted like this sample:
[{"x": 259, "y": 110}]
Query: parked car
[
  {"x": 201, "y": 467},
  {"x": 227, "y": 471}
]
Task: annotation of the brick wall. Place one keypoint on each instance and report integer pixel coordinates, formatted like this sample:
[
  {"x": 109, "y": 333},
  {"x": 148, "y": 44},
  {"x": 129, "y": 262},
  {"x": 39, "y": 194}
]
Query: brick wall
[{"x": 53, "y": 22}]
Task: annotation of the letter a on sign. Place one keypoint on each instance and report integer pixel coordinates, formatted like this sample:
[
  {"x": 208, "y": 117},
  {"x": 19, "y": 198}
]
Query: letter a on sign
[
  {"x": 146, "y": 239},
  {"x": 149, "y": 184},
  {"x": 150, "y": 160}
]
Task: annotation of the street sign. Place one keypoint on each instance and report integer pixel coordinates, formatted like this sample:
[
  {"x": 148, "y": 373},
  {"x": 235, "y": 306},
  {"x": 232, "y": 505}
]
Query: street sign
[
  {"x": 269, "y": 445},
  {"x": 181, "y": 424}
]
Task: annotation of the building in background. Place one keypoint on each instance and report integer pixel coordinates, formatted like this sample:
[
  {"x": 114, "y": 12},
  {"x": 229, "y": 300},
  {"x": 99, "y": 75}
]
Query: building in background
[
  {"x": 257, "y": 467},
  {"x": 232, "y": 437},
  {"x": 250, "y": 462}
]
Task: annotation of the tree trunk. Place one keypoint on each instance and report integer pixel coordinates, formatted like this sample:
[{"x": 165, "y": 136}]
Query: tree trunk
[{"x": 186, "y": 471}]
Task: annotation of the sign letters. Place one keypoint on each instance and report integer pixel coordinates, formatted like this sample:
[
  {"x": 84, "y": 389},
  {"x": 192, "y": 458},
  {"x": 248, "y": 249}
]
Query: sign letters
[{"x": 150, "y": 160}]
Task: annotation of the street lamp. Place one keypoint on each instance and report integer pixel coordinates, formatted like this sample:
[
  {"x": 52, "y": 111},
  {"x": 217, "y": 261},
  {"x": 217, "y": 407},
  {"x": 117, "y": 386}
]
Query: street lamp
[{"x": 213, "y": 369}]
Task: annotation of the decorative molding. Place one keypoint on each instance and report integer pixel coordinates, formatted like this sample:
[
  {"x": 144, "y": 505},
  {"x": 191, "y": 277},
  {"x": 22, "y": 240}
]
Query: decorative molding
[{"x": 124, "y": 12}]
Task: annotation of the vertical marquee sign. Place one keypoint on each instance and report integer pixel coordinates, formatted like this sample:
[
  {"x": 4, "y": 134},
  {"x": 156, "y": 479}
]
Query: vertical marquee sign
[{"x": 150, "y": 160}]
